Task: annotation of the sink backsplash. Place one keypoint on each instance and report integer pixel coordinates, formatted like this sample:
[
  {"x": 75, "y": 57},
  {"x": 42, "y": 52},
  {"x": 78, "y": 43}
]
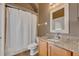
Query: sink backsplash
[{"x": 63, "y": 36}]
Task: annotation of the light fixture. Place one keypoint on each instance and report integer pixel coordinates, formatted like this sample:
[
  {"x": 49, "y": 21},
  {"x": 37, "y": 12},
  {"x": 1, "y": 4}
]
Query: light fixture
[
  {"x": 39, "y": 24},
  {"x": 45, "y": 23}
]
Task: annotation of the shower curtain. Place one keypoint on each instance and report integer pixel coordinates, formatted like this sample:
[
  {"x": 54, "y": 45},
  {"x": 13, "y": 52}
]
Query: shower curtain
[{"x": 21, "y": 30}]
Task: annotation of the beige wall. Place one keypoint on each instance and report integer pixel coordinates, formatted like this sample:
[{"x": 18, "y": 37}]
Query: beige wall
[{"x": 43, "y": 17}]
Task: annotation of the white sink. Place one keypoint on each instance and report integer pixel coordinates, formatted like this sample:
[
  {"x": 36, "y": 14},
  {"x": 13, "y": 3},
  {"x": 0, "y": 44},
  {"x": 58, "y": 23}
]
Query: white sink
[{"x": 54, "y": 40}]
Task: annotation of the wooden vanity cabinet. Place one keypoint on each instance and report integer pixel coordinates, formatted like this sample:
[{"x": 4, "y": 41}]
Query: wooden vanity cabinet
[
  {"x": 43, "y": 48},
  {"x": 75, "y": 53},
  {"x": 48, "y": 49},
  {"x": 57, "y": 51}
]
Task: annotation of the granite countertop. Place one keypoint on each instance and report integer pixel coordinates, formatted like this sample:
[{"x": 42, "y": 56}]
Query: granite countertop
[{"x": 71, "y": 45}]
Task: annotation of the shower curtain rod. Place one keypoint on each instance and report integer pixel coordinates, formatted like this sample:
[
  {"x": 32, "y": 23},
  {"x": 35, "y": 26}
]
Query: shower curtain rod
[
  {"x": 11, "y": 6},
  {"x": 15, "y": 7}
]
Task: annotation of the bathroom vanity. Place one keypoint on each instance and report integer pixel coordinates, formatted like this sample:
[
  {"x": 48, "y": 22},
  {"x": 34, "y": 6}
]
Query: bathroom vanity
[{"x": 59, "y": 48}]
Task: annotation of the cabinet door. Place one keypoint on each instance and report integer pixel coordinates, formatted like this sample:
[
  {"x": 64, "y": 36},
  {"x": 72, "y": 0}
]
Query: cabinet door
[
  {"x": 56, "y": 51},
  {"x": 75, "y": 53},
  {"x": 42, "y": 48}
]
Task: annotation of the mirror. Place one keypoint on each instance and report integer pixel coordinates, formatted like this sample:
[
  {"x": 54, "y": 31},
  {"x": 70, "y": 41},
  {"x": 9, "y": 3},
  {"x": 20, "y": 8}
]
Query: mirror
[{"x": 59, "y": 19}]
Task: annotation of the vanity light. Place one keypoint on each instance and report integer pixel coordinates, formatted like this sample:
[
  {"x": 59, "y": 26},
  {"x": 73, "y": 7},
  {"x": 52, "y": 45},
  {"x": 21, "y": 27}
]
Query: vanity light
[
  {"x": 45, "y": 23},
  {"x": 42, "y": 24},
  {"x": 39, "y": 24},
  {"x": 54, "y": 6}
]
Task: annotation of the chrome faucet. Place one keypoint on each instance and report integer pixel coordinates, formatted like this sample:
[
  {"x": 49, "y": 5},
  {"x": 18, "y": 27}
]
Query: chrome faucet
[{"x": 57, "y": 36}]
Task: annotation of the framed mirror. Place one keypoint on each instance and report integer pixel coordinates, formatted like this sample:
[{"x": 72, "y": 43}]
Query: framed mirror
[{"x": 59, "y": 19}]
